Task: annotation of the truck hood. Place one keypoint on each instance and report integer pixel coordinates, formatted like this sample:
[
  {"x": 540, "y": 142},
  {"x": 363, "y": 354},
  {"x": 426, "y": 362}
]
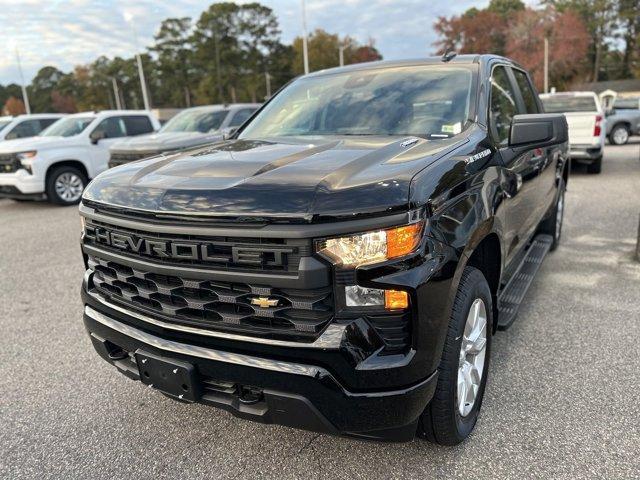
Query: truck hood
[
  {"x": 293, "y": 177},
  {"x": 163, "y": 141},
  {"x": 34, "y": 143}
]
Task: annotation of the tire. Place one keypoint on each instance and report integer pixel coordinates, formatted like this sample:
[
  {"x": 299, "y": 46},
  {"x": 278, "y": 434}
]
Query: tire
[
  {"x": 595, "y": 166},
  {"x": 443, "y": 422},
  {"x": 553, "y": 224},
  {"x": 64, "y": 185},
  {"x": 619, "y": 134}
]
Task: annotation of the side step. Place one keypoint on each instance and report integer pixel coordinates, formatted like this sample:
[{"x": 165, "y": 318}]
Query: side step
[{"x": 513, "y": 294}]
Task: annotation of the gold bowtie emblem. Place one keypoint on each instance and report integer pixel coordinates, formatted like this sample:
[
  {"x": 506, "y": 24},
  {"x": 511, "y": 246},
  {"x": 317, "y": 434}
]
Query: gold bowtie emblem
[{"x": 264, "y": 302}]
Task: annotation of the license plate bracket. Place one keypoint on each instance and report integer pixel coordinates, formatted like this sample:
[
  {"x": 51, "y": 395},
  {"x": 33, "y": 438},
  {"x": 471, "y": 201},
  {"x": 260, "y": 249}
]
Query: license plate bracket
[{"x": 172, "y": 377}]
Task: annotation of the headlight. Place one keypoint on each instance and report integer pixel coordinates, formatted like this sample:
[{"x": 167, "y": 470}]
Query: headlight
[
  {"x": 26, "y": 159},
  {"x": 26, "y": 156},
  {"x": 372, "y": 247}
]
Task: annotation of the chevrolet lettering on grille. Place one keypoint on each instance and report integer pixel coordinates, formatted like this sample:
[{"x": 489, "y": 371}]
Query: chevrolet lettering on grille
[{"x": 196, "y": 251}]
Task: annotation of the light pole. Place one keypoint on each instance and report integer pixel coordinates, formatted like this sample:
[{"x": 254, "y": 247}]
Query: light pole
[
  {"x": 25, "y": 96},
  {"x": 143, "y": 83},
  {"x": 267, "y": 79},
  {"x": 341, "y": 55},
  {"x": 305, "y": 51},
  {"x": 546, "y": 65},
  {"x": 116, "y": 93}
]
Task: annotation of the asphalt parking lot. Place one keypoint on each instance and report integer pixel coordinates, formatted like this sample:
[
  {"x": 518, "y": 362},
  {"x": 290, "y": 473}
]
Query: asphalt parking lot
[{"x": 562, "y": 399}]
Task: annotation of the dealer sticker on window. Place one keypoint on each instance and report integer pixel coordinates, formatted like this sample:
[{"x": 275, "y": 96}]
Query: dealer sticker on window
[{"x": 454, "y": 129}]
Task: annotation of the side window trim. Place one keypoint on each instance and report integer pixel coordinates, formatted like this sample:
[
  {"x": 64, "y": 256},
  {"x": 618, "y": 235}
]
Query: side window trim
[
  {"x": 521, "y": 106},
  {"x": 519, "y": 103},
  {"x": 531, "y": 86}
]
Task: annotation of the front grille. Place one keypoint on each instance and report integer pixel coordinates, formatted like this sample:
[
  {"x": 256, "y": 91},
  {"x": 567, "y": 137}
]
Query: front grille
[
  {"x": 9, "y": 163},
  {"x": 120, "y": 158},
  {"x": 222, "y": 253},
  {"x": 216, "y": 305}
]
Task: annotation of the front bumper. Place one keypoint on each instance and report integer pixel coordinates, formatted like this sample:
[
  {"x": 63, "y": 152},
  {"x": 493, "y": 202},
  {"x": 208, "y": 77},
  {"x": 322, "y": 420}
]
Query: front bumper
[
  {"x": 357, "y": 384},
  {"x": 298, "y": 395},
  {"x": 20, "y": 184}
]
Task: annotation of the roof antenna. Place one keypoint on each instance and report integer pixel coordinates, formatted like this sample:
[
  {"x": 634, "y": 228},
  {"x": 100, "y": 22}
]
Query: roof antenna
[{"x": 448, "y": 56}]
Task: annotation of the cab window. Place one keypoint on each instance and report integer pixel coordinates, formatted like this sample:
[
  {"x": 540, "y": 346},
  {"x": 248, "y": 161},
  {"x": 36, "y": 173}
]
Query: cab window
[
  {"x": 138, "y": 124},
  {"x": 502, "y": 107},
  {"x": 241, "y": 116},
  {"x": 28, "y": 128},
  {"x": 528, "y": 94}
]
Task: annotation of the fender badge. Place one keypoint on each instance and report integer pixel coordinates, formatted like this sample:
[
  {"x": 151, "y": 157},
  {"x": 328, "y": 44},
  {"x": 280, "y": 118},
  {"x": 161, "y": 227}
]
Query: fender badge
[{"x": 478, "y": 156}]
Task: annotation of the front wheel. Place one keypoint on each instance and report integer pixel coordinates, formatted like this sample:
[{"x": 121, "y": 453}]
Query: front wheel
[
  {"x": 65, "y": 185},
  {"x": 462, "y": 375}
]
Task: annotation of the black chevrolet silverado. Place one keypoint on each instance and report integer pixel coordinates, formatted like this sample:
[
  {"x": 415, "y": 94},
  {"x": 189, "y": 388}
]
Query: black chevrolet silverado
[{"x": 341, "y": 263}]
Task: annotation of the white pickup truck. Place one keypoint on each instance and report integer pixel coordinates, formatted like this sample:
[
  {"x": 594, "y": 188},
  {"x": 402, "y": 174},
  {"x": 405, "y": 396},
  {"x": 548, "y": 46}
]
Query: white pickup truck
[
  {"x": 586, "y": 121},
  {"x": 61, "y": 160}
]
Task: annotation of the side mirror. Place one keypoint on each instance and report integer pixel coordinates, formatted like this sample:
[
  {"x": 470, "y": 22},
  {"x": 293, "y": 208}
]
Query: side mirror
[
  {"x": 228, "y": 132},
  {"x": 96, "y": 136},
  {"x": 538, "y": 130},
  {"x": 609, "y": 111},
  {"x": 11, "y": 136}
]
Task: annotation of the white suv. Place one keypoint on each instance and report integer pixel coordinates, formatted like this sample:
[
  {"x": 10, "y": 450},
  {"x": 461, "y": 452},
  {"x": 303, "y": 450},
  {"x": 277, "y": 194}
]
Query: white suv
[
  {"x": 61, "y": 160},
  {"x": 24, "y": 126}
]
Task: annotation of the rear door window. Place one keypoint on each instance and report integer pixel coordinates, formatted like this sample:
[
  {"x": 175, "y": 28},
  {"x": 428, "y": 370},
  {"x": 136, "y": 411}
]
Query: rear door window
[
  {"x": 46, "y": 122},
  {"x": 138, "y": 125}
]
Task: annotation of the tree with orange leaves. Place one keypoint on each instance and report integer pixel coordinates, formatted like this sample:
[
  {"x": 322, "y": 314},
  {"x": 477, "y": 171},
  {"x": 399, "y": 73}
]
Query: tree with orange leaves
[
  {"x": 568, "y": 45},
  {"x": 13, "y": 106}
]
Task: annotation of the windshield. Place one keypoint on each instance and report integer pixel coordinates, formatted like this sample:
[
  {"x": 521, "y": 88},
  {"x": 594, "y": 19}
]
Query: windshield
[
  {"x": 565, "y": 103},
  {"x": 423, "y": 101},
  {"x": 67, "y": 127},
  {"x": 195, "y": 121},
  {"x": 4, "y": 123}
]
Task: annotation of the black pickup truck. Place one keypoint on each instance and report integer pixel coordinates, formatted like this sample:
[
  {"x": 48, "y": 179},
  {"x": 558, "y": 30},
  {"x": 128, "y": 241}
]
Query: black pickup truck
[{"x": 341, "y": 263}]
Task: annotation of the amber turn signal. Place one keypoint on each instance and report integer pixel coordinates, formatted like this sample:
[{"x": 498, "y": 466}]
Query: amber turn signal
[
  {"x": 403, "y": 240},
  {"x": 395, "y": 299}
]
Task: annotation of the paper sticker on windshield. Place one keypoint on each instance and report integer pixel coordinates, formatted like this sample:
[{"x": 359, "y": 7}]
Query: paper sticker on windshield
[{"x": 454, "y": 129}]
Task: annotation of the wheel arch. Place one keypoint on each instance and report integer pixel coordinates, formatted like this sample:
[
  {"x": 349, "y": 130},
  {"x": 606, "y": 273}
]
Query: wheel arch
[
  {"x": 625, "y": 123},
  {"x": 67, "y": 163},
  {"x": 484, "y": 250},
  {"x": 486, "y": 256}
]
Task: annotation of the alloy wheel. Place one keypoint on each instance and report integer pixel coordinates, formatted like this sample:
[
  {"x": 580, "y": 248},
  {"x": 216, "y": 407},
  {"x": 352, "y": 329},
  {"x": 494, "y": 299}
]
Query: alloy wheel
[
  {"x": 620, "y": 136},
  {"x": 69, "y": 187},
  {"x": 472, "y": 357}
]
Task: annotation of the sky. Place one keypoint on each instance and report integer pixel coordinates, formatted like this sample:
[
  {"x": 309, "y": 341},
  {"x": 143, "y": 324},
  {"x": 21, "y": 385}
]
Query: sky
[{"x": 65, "y": 33}]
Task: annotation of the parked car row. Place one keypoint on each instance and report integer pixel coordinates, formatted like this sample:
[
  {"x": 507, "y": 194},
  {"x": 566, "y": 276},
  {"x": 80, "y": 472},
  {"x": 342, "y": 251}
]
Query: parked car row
[
  {"x": 190, "y": 128},
  {"x": 590, "y": 124},
  {"x": 55, "y": 156},
  {"x": 23, "y": 126}
]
